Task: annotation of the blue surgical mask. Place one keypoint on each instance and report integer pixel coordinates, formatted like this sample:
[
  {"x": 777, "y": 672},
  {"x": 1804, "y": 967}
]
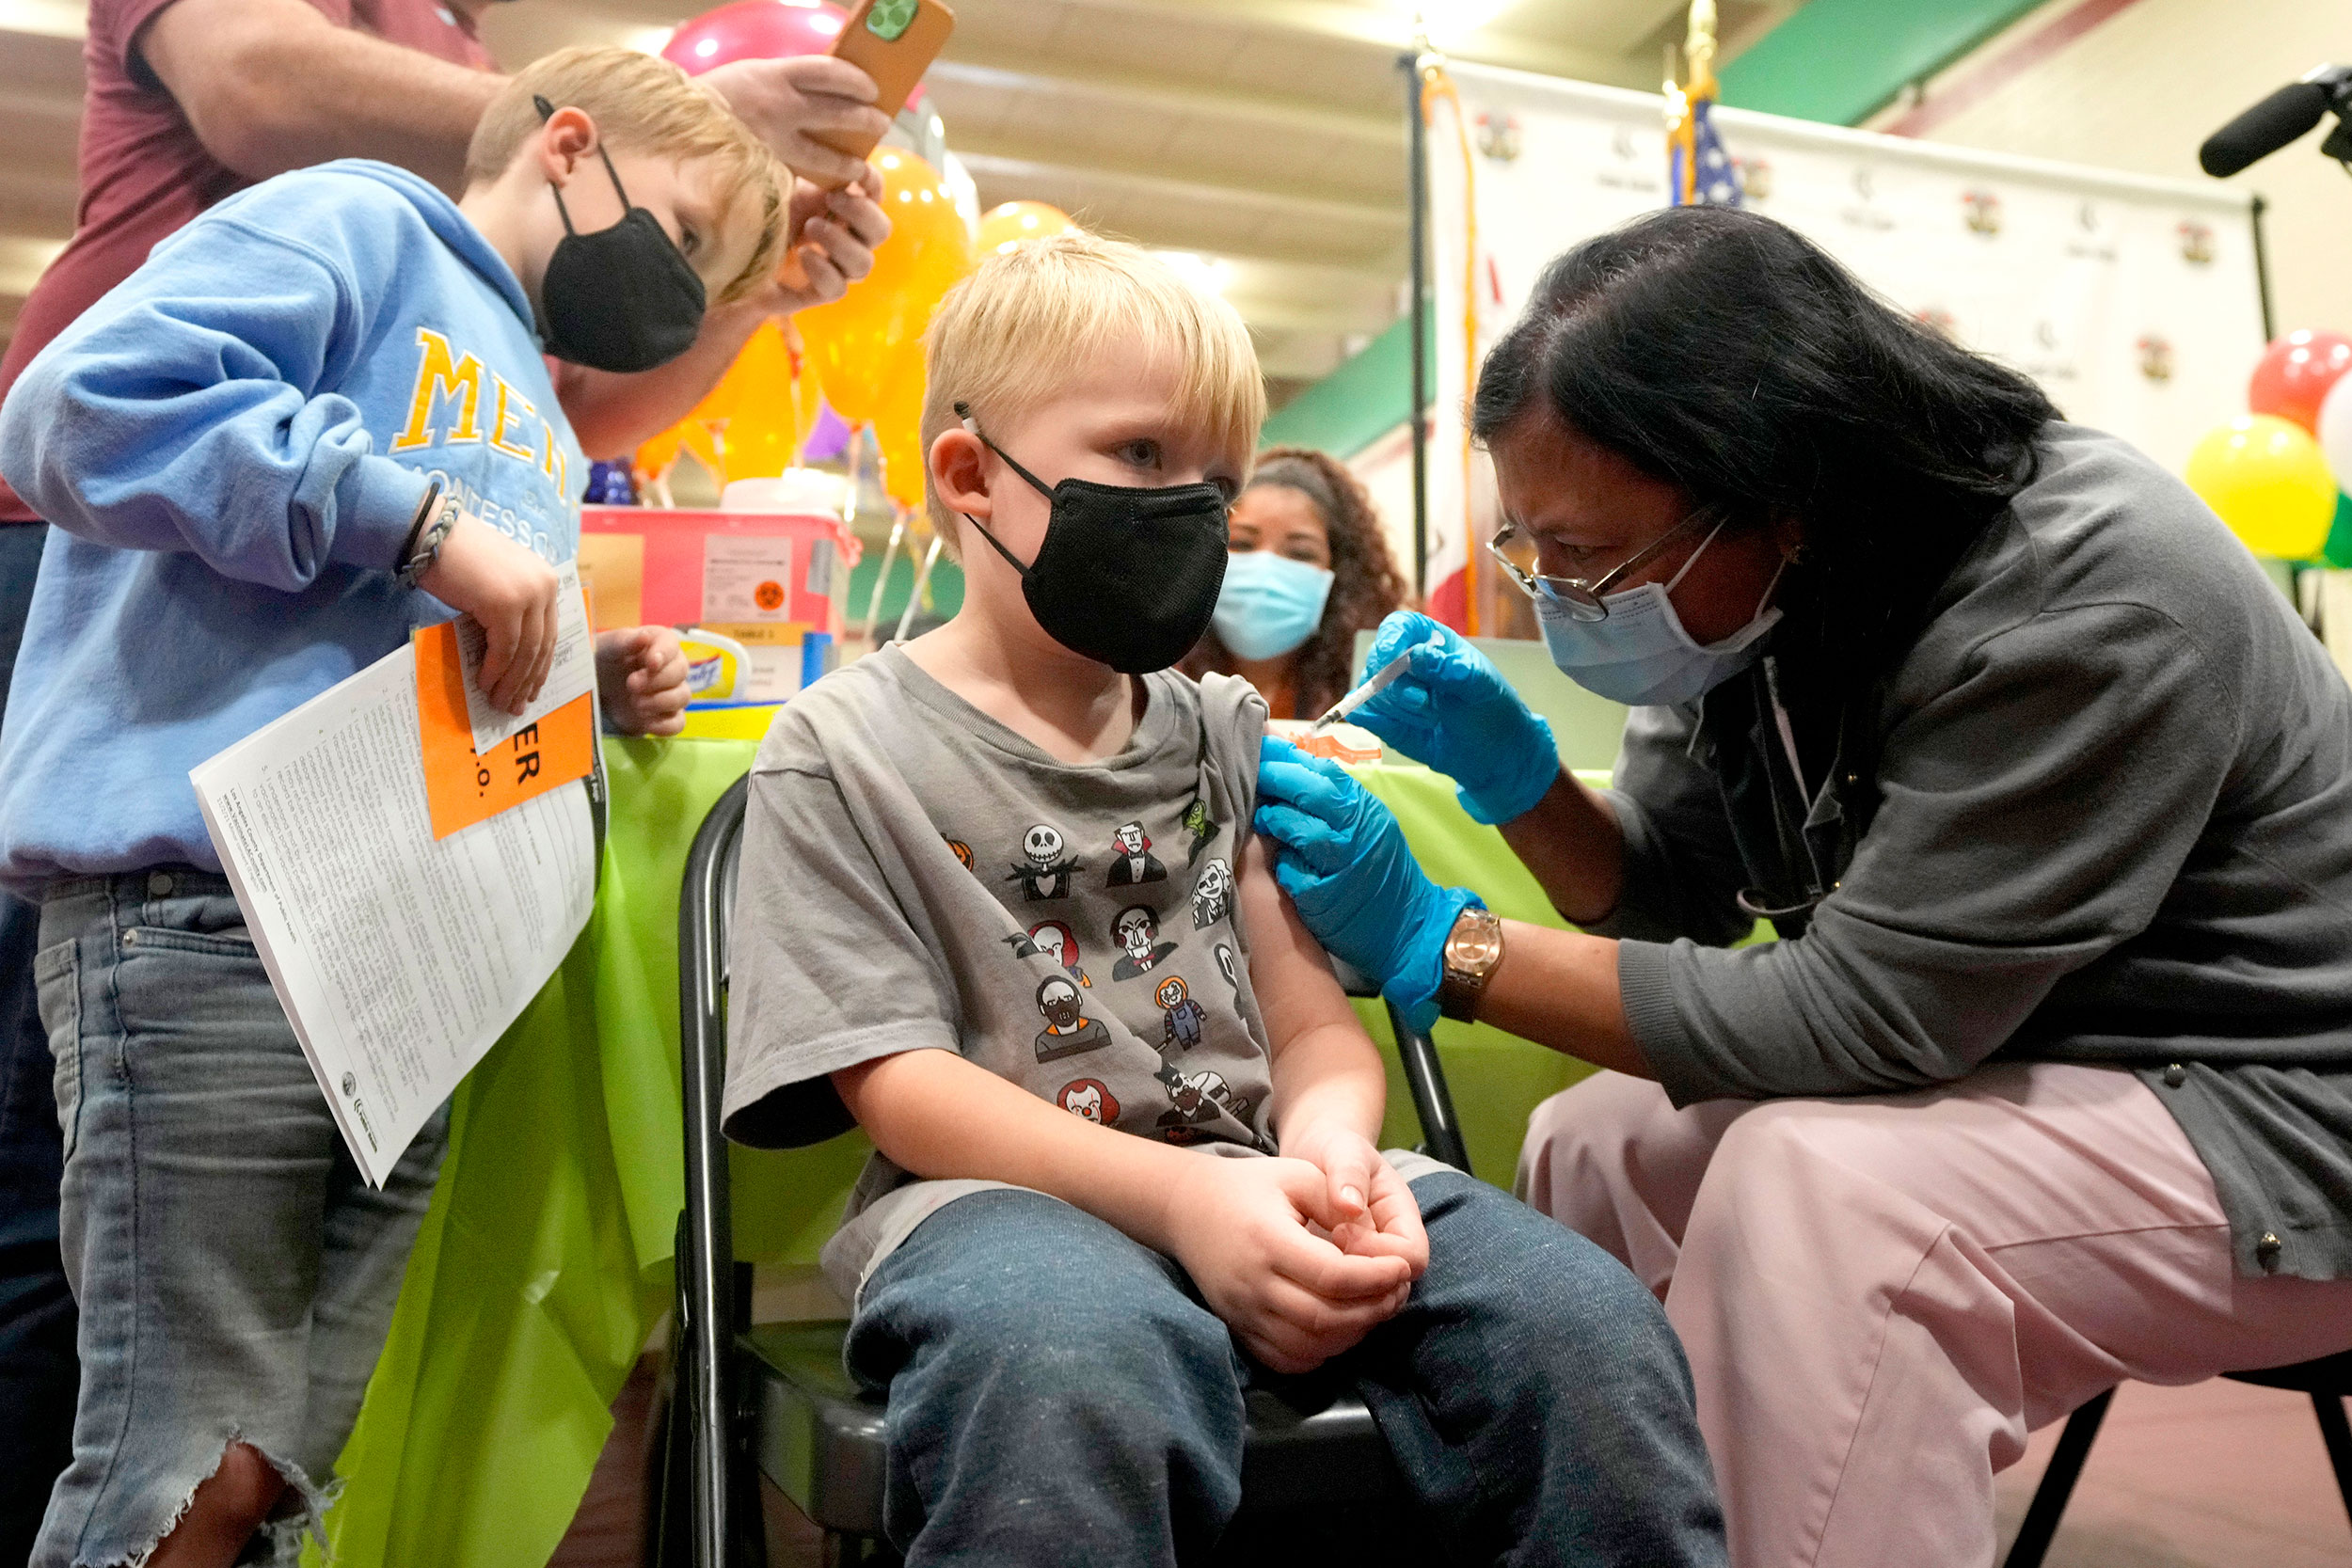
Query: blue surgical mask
[
  {"x": 1269, "y": 605},
  {"x": 1641, "y": 656}
]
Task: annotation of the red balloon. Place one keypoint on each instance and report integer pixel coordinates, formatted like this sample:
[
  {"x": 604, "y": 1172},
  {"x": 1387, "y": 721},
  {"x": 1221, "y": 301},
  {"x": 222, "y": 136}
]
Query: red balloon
[
  {"x": 753, "y": 30},
  {"x": 2294, "y": 374}
]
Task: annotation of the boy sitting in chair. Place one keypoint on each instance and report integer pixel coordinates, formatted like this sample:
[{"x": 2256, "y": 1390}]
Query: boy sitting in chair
[{"x": 1086, "y": 1231}]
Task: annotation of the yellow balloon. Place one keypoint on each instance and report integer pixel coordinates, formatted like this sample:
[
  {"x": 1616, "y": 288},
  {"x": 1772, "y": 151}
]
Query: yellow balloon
[
  {"x": 762, "y": 431},
  {"x": 903, "y": 459},
  {"x": 806, "y": 397},
  {"x": 850, "y": 340},
  {"x": 2269, "y": 480},
  {"x": 707, "y": 447},
  {"x": 1002, "y": 228},
  {"x": 898, "y": 425},
  {"x": 653, "y": 460}
]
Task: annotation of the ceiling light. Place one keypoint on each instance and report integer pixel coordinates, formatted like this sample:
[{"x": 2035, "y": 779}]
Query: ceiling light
[
  {"x": 648, "y": 40},
  {"x": 1207, "y": 274}
]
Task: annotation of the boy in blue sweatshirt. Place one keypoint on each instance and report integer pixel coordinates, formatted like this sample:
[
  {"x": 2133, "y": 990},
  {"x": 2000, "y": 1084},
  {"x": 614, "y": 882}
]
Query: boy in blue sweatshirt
[{"x": 317, "y": 419}]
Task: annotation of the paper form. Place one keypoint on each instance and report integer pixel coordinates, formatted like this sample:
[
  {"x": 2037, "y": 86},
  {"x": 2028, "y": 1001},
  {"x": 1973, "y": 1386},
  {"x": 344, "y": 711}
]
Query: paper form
[
  {"x": 464, "y": 786},
  {"x": 400, "y": 959}
]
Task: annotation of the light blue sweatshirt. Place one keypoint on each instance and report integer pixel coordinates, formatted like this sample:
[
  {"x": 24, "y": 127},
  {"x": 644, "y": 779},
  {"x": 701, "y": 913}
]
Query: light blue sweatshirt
[{"x": 234, "y": 444}]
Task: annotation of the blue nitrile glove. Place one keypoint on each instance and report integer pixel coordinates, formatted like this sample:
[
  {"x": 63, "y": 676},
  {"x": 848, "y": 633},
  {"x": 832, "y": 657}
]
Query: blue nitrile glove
[
  {"x": 1453, "y": 710},
  {"x": 1342, "y": 858}
]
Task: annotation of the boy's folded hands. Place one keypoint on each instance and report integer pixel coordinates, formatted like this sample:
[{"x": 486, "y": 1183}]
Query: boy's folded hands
[
  {"x": 1369, "y": 1212},
  {"x": 1297, "y": 1275}
]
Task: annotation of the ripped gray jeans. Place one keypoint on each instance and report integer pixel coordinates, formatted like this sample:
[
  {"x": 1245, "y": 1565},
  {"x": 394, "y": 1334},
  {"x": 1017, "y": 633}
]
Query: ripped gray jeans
[{"x": 235, "y": 1273}]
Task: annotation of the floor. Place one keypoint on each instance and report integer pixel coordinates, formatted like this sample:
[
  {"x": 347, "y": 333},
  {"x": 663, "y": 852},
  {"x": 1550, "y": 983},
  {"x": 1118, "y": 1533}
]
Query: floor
[{"x": 2220, "y": 1474}]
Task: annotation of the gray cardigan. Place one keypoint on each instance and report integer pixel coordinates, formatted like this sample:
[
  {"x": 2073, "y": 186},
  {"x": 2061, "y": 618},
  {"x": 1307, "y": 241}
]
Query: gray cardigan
[{"x": 2113, "y": 823}]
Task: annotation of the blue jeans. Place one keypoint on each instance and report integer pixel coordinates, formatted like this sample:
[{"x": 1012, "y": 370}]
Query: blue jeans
[
  {"x": 1058, "y": 1394},
  {"x": 38, "y": 1372},
  {"x": 236, "y": 1275}
]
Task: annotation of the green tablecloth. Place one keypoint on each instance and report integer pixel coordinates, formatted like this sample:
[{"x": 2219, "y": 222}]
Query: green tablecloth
[{"x": 544, "y": 1259}]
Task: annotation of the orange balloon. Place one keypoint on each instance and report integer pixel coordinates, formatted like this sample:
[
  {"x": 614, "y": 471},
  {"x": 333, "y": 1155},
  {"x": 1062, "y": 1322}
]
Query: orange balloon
[
  {"x": 1002, "y": 228},
  {"x": 929, "y": 250}
]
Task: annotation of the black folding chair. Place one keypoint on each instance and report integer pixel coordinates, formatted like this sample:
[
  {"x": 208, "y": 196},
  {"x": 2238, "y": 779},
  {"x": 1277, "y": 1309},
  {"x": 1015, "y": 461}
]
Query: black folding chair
[
  {"x": 2327, "y": 1381},
  {"x": 776, "y": 1400}
]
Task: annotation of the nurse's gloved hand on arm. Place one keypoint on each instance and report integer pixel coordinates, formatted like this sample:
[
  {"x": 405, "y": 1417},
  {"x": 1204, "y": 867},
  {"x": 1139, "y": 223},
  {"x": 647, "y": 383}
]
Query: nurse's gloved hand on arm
[
  {"x": 1340, "y": 856},
  {"x": 1452, "y": 710}
]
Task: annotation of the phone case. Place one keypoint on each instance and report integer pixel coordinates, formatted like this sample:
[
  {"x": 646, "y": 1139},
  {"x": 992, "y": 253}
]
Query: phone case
[{"x": 894, "y": 42}]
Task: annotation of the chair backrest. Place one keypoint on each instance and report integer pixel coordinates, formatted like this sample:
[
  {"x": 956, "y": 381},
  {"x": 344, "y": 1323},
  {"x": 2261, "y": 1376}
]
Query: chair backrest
[{"x": 705, "y": 1247}]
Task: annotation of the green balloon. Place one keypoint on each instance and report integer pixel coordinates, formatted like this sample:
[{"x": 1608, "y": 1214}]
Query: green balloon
[{"x": 2337, "y": 551}]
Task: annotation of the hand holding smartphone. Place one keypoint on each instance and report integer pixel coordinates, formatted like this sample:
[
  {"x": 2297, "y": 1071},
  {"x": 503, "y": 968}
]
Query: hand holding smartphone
[{"x": 894, "y": 42}]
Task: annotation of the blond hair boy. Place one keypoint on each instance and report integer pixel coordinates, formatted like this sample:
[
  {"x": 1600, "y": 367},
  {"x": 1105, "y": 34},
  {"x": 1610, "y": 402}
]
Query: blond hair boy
[
  {"x": 1001, "y": 907},
  {"x": 317, "y": 418}
]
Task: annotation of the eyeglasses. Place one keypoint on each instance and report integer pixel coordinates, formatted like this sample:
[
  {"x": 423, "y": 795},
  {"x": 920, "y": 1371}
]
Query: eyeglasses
[{"x": 1583, "y": 598}]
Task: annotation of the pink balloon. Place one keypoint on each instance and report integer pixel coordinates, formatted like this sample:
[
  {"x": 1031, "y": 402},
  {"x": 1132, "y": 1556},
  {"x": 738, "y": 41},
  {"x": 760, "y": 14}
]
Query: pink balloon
[{"x": 753, "y": 30}]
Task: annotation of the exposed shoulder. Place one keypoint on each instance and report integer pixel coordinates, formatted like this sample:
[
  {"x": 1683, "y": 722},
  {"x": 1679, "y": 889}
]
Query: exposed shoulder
[{"x": 848, "y": 708}]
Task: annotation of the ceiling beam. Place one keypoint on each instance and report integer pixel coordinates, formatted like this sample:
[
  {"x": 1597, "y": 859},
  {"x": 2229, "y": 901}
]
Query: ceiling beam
[
  {"x": 1283, "y": 315},
  {"x": 1386, "y": 28},
  {"x": 1023, "y": 73},
  {"x": 996, "y": 157}
]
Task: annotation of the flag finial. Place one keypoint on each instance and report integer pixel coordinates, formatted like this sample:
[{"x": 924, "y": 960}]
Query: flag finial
[{"x": 1698, "y": 44}]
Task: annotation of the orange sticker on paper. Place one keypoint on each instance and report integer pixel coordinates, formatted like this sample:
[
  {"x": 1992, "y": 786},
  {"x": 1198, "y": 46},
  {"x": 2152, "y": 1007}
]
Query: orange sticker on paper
[{"x": 462, "y": 788}]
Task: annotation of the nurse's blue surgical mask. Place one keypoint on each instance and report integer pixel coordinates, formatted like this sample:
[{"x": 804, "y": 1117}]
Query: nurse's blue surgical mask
[
  {"x": 1270, "y": 604},
  {"x": 1638, "y": 653}
]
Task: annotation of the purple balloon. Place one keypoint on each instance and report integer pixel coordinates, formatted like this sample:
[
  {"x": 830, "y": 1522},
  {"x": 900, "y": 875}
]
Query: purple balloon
[{"x": 829, "y": 438}]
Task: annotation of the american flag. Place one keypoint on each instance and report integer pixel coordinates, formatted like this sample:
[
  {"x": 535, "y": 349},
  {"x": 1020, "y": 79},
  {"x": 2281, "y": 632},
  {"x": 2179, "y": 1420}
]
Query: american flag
[{"x": 1698, "y": 171}]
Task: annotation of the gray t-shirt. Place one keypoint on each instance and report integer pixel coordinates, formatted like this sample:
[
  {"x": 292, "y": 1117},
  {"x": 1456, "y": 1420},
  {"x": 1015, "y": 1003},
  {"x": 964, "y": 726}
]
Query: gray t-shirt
[{"x": 916, "y": 875}]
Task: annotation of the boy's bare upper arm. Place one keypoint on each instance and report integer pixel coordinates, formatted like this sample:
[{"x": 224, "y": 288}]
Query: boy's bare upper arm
[{"x": 1297, "y": 990}]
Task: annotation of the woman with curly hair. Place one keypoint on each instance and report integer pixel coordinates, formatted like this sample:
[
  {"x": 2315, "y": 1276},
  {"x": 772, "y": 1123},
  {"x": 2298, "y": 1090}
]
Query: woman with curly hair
[{"x": 1309, "y": 570}]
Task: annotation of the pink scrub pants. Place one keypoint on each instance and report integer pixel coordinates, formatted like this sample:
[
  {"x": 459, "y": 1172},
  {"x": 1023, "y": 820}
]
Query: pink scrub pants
[{"x": 1881, "y": 1297}]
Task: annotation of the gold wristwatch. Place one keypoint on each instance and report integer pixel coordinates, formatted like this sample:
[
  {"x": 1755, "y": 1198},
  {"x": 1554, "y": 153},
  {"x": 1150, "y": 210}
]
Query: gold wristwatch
[{"x": 1472, "y": 949}]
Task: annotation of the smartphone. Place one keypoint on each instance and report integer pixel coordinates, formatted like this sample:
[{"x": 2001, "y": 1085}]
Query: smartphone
[{"x": 894, "y": 42}]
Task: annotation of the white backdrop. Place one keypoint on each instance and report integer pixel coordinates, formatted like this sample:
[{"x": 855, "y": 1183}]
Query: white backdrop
[{"x": 2134, "y": 301}]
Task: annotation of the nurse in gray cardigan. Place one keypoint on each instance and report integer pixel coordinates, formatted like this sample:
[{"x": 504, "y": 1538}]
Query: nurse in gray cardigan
[{"x": 2047, "y": 1081}]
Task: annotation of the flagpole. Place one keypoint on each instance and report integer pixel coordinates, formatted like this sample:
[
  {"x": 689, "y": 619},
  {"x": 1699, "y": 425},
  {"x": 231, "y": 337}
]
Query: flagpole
[{"x": 1417, "y": 186}]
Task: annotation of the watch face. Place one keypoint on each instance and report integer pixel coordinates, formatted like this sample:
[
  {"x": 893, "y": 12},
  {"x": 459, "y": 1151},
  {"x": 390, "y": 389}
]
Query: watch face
[
  {"x": 1477, "y": 949},
  {"x": 1475, "y": 946}
]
